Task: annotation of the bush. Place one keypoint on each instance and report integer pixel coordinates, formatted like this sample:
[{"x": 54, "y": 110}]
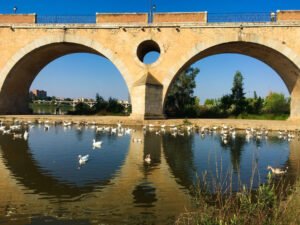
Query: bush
[
  {"x": 276, "y": 103},
  {"x": 81, "y": 109}
]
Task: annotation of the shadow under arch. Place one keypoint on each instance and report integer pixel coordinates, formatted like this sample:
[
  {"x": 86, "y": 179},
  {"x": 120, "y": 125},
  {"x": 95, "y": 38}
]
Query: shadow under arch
[
  {"x": 20, "y": 71},
  {"x": 279, "y": 61}
]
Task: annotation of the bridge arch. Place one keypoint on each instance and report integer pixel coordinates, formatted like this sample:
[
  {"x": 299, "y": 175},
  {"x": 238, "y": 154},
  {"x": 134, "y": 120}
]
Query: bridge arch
[
  {"x": 274, "y": 53},
  {"x": 21, "y": 69}
]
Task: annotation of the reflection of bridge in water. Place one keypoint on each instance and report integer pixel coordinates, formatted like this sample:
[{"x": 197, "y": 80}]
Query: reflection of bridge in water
[{"x": 137, "y": 188}]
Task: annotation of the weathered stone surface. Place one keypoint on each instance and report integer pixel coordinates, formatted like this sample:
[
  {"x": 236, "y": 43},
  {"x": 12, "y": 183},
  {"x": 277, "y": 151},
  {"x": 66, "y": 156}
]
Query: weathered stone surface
[
  {"x": 288, "y": 15},
  {"x": 17, "y": 18},
  {"x": 27, "y": 48},
  {"x": 121, "y": 18},
  {"x": 180, "y": 17}
]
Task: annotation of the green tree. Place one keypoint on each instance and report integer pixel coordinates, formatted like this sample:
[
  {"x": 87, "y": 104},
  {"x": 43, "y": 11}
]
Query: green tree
[
  {"x": 237, "y": 94},
  {"x": 210, "y": 102},
  {"x": 255, "y": 104},
  {"x": 276, "y": 103},
  {"x": 100, "y": 105},
  {"x": 114, "y": 107},
  {"x": 180, "y": 99},
  {"x": 82, "y": 109},
  {"x": 226, "y": 103}
]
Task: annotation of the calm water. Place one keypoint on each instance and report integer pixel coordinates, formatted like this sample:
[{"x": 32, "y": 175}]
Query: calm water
[{"x": 43, "y": 183}]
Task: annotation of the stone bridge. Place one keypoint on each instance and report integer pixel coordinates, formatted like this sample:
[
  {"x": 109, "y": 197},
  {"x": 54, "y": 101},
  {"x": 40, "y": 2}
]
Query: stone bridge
[{"x": 26, "y": 47}]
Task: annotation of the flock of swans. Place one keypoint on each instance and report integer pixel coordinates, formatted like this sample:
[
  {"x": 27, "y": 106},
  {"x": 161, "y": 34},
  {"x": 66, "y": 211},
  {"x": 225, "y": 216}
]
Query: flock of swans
[{"x": 226, "y": 133}]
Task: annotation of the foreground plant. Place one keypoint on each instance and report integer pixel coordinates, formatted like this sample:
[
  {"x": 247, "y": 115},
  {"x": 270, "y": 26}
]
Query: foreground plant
[{"x": 268, "y": 205}]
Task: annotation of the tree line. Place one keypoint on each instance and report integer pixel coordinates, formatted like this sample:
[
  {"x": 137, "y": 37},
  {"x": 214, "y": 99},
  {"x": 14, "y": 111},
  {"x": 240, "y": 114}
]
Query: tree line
[
  {"x": 101, "y": 107},
  {"x": 181, "y": 101}
]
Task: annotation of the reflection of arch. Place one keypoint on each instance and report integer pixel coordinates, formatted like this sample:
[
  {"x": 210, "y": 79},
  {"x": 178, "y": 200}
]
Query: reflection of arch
[
  {"x": 123, "y": 190},
  {"x": 274, "y": 53},
  {"x": 179, "y": 157},
  {"x": 26, "y": 170},
  {"x": 19, "y": 72}
]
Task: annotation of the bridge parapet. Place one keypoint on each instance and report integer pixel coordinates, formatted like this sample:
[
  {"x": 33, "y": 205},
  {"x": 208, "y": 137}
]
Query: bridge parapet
[
  {"x": 17, "y": 18},
  {"x": 115, "y": 18},
  {"x": 180, "y": 17},
  {"x": 158, "y": 18},
  {"x": 288, "y": 15}
]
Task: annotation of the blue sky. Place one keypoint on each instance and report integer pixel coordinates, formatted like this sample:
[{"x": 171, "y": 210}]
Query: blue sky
[
  {"x": 81, "y": 7},
  {"x": 83, "y": 75}
]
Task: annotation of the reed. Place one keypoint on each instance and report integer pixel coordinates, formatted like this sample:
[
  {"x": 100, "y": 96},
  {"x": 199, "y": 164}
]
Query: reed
[{"x": 215, "y": 203}]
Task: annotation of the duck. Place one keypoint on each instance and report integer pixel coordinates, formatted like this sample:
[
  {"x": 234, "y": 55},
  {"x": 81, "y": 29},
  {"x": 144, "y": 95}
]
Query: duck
[
  {"x": 83, "y": 159},
  {"x": 148, "y": 159},
  {"x": 96, "y": 144},
  {"x": 277, "y": 171}
]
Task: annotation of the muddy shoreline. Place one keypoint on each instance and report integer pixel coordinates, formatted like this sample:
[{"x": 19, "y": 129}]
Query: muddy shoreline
[{"x": 113, "y": 120}]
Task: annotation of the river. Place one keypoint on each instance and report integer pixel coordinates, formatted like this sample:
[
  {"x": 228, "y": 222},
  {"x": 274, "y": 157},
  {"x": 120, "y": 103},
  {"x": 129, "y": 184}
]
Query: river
[{"x": 42, "y": 181}]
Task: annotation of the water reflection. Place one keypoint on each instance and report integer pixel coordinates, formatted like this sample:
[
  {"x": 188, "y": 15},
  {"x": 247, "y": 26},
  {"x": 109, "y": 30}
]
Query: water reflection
[
  {"x": 235, "y": 146},
  {"x": 179, "y": 155},
  {"x": 46, "y": 174},
  {"x": 144, "y": 195},
  {"x": 236, "y": 162},
  {"x": 41, "y": 178}
]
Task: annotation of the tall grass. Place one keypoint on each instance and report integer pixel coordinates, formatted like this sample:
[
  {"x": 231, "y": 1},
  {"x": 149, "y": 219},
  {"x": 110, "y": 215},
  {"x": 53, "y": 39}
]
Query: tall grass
[{"x": 272, "y": 203}]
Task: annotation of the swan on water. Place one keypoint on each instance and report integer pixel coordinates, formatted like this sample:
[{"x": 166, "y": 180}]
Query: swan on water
[
  {"x": 277, "y": 170},
  {"x": 25, "y": 135},
  {"x": 148, "y": 158},
  {"x": 83, "y": 159},
  {"x": 96, "y": 144}
]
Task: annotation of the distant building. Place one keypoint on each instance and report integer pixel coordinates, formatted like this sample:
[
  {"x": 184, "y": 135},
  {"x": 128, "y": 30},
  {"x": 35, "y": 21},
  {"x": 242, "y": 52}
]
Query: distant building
[{"x": 38, "y": 94}]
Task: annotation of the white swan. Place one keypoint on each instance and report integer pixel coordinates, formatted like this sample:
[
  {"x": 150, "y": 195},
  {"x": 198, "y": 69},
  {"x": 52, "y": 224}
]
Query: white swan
[
  {"x": 17, "y": 135},
  {"x": 96, "y": 144},
  {"x": 119, "y": 125},
  {"x": 277, "y": 170},
  {"x": 46, "y": 127},
  {"x": 83, "y": 159},
  {"x": 137, "y": 140},
  {"x": 148, "y": 159},
  {"x": 25, "y": 135},
  {"x": 6, "y": 132},
  {"x": 66, "y": 123}
]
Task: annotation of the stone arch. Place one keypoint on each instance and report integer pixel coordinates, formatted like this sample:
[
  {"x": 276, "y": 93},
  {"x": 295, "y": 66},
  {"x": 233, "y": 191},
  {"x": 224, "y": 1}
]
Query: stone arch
[
  {"x": 272, "y": 52},
  {"x": 21, "y": 69}
]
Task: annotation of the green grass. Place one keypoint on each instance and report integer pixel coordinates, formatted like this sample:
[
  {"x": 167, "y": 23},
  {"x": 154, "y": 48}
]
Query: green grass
[{"x": 264, "y": 116}]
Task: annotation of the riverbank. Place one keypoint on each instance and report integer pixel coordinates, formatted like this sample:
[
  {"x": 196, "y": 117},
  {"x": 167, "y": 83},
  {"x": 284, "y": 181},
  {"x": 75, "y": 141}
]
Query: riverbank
[{"x": 112, "y": 120}]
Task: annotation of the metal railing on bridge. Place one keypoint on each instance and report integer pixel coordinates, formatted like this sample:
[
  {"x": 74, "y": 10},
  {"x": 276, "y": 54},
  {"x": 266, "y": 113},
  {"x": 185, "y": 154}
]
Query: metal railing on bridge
[
  {"x": 240, "y": 17},
  {"x": 211, "y": 18},
  {"x": 85, "y": 19}
]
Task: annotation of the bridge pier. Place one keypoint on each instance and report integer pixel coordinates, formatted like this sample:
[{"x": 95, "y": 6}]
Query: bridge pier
[
  {"x": 14, "y": 103},
  {"x": 146, "y": 98},
  {"x": 295, "y": 102}
]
